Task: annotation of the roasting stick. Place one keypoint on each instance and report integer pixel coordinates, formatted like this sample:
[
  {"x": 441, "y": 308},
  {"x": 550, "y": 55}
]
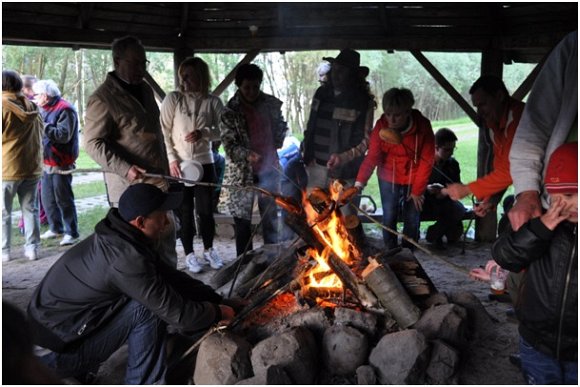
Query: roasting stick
[{"x": 410, "y": 240}]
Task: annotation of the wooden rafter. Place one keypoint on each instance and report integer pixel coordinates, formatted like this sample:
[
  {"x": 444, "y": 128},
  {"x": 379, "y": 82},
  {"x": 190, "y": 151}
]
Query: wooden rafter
[
  {"x": 445, "y": 85},
  {"x": 249, "y": 57}
]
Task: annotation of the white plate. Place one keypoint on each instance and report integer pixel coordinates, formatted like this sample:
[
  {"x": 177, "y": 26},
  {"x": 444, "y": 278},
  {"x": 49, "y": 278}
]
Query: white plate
[{"x": 191, "y": 170}]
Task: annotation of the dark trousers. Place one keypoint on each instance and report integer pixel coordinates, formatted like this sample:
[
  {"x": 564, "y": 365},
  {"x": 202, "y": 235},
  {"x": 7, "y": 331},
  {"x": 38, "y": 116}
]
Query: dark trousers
[
  {"x": 198, "y": 199},
  {"x": 448, "y": 215},
  {"x": 59, "y": 203}
]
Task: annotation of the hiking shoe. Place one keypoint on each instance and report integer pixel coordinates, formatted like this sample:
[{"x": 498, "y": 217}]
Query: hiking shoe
[
  {"x": 49, "y": 234},
  {"x": 68, "y": 240},
  {"x": 192, "y": 263},
  {"x": 6, "y": 257},
  {"x": 211, "y": 256},
  {"x": 30, "y": 253}
]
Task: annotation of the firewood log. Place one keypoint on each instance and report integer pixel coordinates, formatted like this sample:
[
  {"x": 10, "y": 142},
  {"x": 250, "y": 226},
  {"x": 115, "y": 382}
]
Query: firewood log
[{"x": 391, "y": 294}]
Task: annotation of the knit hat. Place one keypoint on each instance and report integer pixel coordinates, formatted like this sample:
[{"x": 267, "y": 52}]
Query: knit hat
[
  {"x": 142, "y": 199},
  {"x": 562, "y": 171}
]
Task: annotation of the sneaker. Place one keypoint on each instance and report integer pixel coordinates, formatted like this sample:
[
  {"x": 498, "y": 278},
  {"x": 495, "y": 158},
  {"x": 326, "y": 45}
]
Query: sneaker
[
  {"x": 211, "y": 256},
  {"x": 68, "y": 240},
  {"x": 30, "y": 253},
  {"x": 192, "y": 264},
  {"x": 49, "y": 234},
  {"x": 6, "y": 257}
]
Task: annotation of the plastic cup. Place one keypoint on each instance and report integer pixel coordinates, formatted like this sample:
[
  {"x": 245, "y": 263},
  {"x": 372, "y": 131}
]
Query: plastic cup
[{"x": 497, "y": 281}]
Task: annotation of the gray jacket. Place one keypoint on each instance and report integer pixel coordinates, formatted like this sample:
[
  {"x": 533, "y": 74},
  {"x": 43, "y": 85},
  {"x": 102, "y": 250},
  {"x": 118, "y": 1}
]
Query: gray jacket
[{"x": 550, "y": 115}]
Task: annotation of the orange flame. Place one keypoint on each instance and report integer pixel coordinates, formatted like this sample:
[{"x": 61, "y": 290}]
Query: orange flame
[{"x": 333, "y": 235}]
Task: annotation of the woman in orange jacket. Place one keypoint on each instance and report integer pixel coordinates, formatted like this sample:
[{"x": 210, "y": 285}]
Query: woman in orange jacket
[{"x": 402, "y": 146}]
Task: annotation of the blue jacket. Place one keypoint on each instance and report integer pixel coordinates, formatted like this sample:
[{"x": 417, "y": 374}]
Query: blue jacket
[{"x": 60, "y": 142}]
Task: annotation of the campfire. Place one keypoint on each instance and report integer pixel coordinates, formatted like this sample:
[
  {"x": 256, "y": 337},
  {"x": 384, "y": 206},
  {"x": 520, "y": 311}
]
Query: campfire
[
  {"x": 327, "y": 267},
  {"x": 335, "y": 298}
]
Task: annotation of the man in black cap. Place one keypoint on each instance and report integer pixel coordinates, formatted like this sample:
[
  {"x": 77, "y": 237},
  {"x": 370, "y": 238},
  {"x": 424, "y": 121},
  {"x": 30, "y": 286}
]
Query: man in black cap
[
  {"x": 112, "y": 288},
  {"x": 341, "y": 117}
]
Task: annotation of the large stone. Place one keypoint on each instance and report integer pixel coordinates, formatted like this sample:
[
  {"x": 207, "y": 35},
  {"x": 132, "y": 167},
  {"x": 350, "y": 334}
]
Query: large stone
[
  {"x": 480, "y": 322},
  {"x": 344, "y": 349},
  {"x": 275, "y": 375},
  {"x": 446, "y": 322},
  {"x": 362, "y": 321},
  {"x": 314, "y": 319},
  {"x": 443, "y": 364},
  {"x": 222, "y": 359},
  {"x": 436, "y": 299},
  {"x": 401, "y": 357},
  {"x": 294, "y": 350},
  {"x": 365, "y": 375}
]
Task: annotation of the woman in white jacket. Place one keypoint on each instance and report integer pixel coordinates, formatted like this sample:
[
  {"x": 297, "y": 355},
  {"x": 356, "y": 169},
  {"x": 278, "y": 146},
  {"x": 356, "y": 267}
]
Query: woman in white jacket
[{"x": 189, "y": 120}]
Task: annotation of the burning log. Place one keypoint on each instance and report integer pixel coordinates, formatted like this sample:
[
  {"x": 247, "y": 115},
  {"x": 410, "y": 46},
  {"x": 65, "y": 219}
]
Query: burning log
[
  {"x": 351, "y": 282},
  {"x": 321, "y": 292},
  {"x": 391, "y": 294}
]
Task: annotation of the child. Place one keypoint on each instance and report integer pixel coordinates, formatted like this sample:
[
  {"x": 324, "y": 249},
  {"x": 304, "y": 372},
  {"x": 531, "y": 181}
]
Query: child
[
  {"x": 448, "y": 213},
  {"x": 547, "y": 248},
  {"x": 402, "y": 146}
]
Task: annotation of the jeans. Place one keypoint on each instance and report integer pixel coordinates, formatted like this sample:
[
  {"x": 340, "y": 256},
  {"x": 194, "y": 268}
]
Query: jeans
[
  {"x": 59, "y": 203},
  {"x": 145, "y": 335},
  {"x": 199, "y": 199},
  {"x": 393, "y": 196},
  {"x": 539, "y": 368},
  {"x": 27, "y": 196}
]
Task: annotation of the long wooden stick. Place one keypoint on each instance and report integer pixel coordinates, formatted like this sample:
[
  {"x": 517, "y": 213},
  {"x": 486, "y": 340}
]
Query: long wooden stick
[{"x": 410, "y": 240}]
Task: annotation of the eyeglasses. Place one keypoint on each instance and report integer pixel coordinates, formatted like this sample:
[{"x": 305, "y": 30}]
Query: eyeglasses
[{"x": 139, "y": 63}]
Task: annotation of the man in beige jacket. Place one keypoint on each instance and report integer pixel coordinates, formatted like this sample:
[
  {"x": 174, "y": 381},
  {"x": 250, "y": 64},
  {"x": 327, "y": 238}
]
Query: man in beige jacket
[
  {"x": 122, "y": 130},
  {"x": 22, "y": 130}
]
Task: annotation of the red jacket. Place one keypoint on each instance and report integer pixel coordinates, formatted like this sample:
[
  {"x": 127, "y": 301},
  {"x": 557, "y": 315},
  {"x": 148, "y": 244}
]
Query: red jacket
[
  {"x": 408, "y": 163},
  {"x": 502, "y": 137}
]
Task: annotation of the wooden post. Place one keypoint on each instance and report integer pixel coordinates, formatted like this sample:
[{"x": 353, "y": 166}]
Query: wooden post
[
  {"x": 486, "y": 227},
  {"x": 179, "y": 55}
]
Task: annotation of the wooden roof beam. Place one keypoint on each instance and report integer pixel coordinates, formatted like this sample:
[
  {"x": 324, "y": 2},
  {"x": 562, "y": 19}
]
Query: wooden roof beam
[
  {"x": 445, "y": 85},
  {"x": 250, "y": 56}
]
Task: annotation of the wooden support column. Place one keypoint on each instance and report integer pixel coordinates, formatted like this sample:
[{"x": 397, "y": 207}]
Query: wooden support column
[
  {"x": 179, "y": 55},
  {"x": 232, "y": 75},
  {"x": 486, "y": 227}
]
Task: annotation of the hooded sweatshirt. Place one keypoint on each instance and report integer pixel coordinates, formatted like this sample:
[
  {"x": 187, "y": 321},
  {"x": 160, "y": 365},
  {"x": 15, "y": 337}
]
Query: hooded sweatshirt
[{"x": 22, "y": 129}]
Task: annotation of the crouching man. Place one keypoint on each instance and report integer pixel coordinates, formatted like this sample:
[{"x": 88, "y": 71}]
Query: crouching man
[{"x": 112, "y": 289}]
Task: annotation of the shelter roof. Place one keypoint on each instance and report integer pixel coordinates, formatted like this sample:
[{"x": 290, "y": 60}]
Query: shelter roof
[{"x": 524, "y": 32}]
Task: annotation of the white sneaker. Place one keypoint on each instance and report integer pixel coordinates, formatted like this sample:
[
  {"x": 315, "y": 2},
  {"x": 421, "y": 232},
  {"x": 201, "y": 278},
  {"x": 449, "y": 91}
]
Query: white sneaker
[
  {"x": 30, "y": 253},
  {"x": 211, "y": 256},
  {"x": 6, "y": 257},
  {"x": 68, "y": 240},
  {"x": 192, "y": 264},
  {"x": 49, "y": 234}
]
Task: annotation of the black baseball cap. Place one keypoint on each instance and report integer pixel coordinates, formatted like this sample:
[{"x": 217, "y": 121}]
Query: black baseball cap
[{"x": 142, "y": 199}]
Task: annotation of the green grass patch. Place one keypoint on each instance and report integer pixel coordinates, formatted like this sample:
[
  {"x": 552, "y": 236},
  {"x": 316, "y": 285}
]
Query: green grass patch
[
  {"x": 86, "y": 224},
  {"x": 84, "y": 161}
]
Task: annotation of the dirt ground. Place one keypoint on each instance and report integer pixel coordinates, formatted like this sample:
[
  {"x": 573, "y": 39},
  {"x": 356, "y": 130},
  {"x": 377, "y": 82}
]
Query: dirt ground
[{"x": 486, "y": 361}]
